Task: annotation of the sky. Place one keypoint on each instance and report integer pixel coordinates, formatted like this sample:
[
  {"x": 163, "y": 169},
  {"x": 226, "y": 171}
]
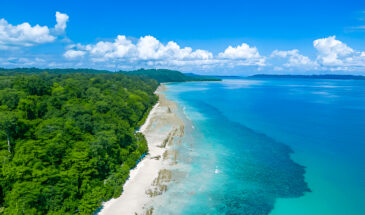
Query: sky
[{"x": 205, "y": 37}]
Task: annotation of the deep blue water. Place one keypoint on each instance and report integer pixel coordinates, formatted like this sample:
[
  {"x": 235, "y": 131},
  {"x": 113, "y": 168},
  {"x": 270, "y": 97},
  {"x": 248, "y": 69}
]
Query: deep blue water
[{"x": 270, "y": 146}]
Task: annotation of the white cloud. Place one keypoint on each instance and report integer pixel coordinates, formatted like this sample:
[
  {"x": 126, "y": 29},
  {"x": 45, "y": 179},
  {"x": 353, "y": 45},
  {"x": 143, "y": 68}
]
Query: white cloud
[
  {"x": 23, "y": 35},
  {"x": 120, "y": 48},
  {"x": 243, "y": 51},
  {"x": 336, "y": 55},
  {"x": 294, "y": 59},
  {"x": 61, "y": 19},
  {"x": 149, "y": 52},
  {"x": 72, "y": 54},
  {"x": 147, "y": 49},
  {"x": 331, "y": 51},
  {"x": 332, "y": 55},
  {"x": 242, "y": 55}
]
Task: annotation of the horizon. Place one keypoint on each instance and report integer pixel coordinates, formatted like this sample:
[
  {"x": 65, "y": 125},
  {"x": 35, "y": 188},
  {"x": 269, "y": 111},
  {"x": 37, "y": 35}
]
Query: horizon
[
  {"x": 182, "y": 107},
  {"x": 235, "y": 38},
  {"x": 193, "y": 73}
]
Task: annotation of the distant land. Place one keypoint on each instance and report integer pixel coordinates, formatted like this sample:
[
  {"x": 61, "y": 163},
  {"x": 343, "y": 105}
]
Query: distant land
[
  {"x": 341, "y": 77},
  {"x": 166, "y": 75},
  {"x": 213, "y": 76},
  {"x": 160, "y": 75}
]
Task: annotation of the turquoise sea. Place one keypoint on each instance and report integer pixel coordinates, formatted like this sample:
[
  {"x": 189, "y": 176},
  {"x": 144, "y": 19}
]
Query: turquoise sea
[{"x": 269, "y": 146}]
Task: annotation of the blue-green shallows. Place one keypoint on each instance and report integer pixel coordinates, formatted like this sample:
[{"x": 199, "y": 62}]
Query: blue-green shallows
[{"x": 280, "y": 147}]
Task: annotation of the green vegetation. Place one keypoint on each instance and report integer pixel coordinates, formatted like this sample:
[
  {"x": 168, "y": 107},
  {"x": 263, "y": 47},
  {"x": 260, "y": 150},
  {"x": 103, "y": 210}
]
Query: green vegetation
[
  {"x": 160, "y": 75},
  {"x": 67, "y": 140},
  {"x": 165, "y": 75},
  {"x": 67, "y": 136},
  {"x": 33, "y": 70}
]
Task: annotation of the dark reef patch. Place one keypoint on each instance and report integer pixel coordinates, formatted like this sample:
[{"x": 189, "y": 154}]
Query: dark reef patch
[{"x": 260, "y": 168}]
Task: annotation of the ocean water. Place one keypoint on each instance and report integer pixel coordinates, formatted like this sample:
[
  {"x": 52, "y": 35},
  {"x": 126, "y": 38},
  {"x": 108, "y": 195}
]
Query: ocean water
[{"x": 269, "y": 146}]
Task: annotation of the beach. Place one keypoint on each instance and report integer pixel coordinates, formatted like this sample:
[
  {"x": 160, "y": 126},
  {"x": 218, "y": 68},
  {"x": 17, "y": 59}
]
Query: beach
[
  {"x": 150, "y": 178},
  {"x": 213, "y": 152}
]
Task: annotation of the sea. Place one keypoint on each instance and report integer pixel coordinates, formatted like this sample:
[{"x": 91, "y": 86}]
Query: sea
[{"x": 277, "y": 146}]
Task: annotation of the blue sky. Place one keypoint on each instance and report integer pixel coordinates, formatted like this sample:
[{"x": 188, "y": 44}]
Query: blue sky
[{"x": 216, "y": 37}]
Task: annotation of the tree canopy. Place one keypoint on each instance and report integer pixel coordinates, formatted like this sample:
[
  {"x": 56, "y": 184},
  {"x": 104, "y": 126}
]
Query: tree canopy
[
  {"x": 166, "y": 75},
  {"x": 68, "y": 140},
  {"x": 160, "y": 75}
]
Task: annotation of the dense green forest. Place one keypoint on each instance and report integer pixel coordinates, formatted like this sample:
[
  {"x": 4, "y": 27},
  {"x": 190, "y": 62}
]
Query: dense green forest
[
  {"x": 165, "y": 75},
  {"x": 160, "y": 75},
  {"x": 67, "y": 139}
]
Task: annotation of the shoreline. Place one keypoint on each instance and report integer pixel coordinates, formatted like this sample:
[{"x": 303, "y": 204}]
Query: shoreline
[{"x": 150, "y": 178}]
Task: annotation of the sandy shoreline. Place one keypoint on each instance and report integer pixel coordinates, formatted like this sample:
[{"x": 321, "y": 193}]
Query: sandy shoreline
[{"x": 151, "y": 176}]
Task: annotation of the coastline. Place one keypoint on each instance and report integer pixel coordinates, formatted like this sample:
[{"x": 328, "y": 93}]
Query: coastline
[{"x": 150, "y": 178}]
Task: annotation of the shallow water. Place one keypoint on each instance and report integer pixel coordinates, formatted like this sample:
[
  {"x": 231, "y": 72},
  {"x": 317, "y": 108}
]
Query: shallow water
[{"x": 279, "y": 146}]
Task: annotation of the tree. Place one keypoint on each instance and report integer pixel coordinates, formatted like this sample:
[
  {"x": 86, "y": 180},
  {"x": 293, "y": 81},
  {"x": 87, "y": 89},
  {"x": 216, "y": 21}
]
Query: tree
[
  {"x": 67, "y": 140},
  {"x": 8, "y": 123}
]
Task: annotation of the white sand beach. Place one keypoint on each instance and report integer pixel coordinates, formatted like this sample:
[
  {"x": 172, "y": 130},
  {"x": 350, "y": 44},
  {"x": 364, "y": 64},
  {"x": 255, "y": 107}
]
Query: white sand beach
[{"x": 151, "y": 176}]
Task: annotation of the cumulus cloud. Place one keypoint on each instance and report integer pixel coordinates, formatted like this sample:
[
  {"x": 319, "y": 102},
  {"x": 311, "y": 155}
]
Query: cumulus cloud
[
  {"x": 149, "y": 52},
  {"x": 242, "y": 55},
  {"x": 61, "y": 19},
  {"x": 72, "y": 54},
  {"x": 120, "y": 48},
  {"x": 294, "y": 59},
  {"x": 331, "y": 51},
  {"x": 25, "y": 35},
  {"x": 147, "y": 49},
  {"x": 243, "y": 51},
  {"x": 332, "y": 55},
  {"x": 336, "y": 55}
]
